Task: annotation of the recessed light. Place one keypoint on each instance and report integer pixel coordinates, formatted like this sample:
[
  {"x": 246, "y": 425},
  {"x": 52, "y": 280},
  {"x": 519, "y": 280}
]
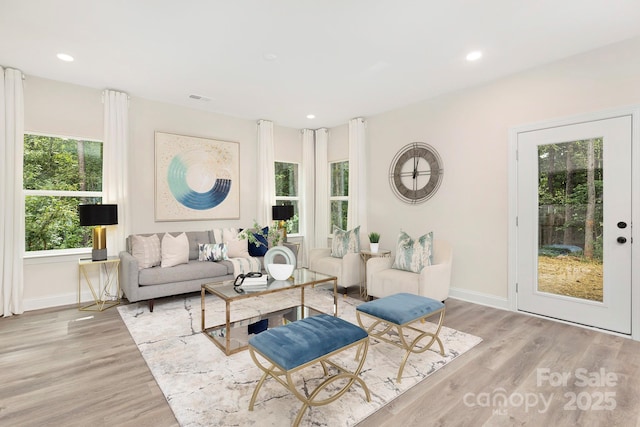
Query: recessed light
[
  {"x": 270, "y": 56},
  {"x": 474, "y": 56},
  {"x": 65, "y": 57},
  {"x": 311, "y": 116}
]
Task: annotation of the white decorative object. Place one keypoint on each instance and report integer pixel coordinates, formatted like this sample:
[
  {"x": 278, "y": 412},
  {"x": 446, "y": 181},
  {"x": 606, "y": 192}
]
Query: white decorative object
[
  {"x": 374, "y": 247},
  {"x": 280, "y": 271},
  {"x": 285, "y": 252}
]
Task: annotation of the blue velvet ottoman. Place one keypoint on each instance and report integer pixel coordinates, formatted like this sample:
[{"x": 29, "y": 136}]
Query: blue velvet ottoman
[
  {"x": 281, "y": 351},
  {"x": 396, "y": 313}
]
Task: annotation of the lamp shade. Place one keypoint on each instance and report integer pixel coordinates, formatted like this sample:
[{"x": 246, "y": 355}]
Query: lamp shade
[
  {"x": 282, "y": 213},
  {"x": 98, "y": 214}
]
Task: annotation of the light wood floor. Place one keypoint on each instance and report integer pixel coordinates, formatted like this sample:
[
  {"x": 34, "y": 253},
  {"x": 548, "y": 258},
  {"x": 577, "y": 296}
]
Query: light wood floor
[{"x": 62, "y": 367}]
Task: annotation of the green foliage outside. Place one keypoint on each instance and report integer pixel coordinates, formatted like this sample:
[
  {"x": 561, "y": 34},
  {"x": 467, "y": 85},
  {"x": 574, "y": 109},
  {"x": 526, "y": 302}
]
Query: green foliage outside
[
  {"x": 570, "y": 204},
  {"x": 287, "y": 186},
  {"x": 339, "y": 173},
  {"x": 58, "y": 164}
]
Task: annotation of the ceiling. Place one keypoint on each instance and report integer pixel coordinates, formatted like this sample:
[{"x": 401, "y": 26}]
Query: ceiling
[{"x": 283, "y": 59}]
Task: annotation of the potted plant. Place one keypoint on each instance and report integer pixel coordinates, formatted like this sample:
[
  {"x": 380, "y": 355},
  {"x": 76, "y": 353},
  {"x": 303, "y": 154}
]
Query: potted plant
[
  {"x": 374, "y": 241},
  {"x": 273, "y": 237}
]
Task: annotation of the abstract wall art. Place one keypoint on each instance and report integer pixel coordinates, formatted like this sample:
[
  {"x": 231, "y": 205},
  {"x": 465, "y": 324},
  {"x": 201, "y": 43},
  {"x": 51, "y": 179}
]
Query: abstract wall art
[{"x": 196, "y": 178}]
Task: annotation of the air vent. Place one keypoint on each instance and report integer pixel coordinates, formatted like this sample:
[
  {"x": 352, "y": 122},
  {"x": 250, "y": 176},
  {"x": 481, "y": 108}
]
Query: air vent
[{"x": 199, "y": 97}]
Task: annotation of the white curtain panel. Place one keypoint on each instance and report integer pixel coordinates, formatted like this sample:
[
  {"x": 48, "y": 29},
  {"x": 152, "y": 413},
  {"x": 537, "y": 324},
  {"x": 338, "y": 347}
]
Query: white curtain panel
[
  {"x": 116, "y": 137},
  {"x": 357, "y": 209},
  {"x": 266, "y": 172},
  {"x": 322, "y": 188},
  {"x": 11, "y": 198},
  {"x": 307, "y": 211}
]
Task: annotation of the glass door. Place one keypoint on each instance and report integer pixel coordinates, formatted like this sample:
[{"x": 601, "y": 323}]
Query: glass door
[{"x": 574, "y": 230}]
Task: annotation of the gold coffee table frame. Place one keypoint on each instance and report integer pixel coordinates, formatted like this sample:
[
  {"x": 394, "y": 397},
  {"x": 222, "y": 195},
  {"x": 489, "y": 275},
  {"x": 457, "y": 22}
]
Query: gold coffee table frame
[
  {"x": 284, "y": 377},
  {"x": 408, "y": 346},
  {"x": 301, "y": 278}
]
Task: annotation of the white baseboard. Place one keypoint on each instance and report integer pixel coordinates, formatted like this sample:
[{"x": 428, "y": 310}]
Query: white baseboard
[
  {"x": 56, "y": 300},
  {"x": 479, "y": 298}
]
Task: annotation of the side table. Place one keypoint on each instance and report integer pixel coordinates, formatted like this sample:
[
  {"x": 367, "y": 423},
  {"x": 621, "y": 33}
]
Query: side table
[
  {"x": 102, "y": 294},
  {"x": 366, "y": 256}
]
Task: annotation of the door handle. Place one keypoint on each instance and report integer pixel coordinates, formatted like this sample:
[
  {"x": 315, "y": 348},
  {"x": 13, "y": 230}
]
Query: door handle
[{"x": 622, "y": 239}]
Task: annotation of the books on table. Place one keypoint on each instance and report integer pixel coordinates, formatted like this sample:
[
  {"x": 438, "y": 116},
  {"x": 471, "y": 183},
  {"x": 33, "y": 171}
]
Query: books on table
[{"x": 255, "y": 282}]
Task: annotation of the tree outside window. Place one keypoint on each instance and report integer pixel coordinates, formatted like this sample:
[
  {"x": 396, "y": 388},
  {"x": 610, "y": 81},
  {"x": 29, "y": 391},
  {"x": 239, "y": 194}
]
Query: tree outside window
[
  {"x": 287, "y": 184},
  {"x": 59, "y": 174},
  {"x": 339, "y": 195}
]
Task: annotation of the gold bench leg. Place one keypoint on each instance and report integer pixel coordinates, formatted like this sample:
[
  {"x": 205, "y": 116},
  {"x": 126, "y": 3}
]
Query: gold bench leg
[
  {"x": 403, "y": 344},
  {"x": 270, "y": 369}
]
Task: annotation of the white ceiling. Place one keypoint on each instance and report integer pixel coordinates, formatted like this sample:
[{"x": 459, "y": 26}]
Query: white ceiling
[{"x": 337, "y": 59}]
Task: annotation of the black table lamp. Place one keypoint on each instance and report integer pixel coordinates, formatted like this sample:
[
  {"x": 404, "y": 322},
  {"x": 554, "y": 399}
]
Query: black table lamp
[
  {"x": 98, "y": 216},
  {"x": 281, "y": 214}
]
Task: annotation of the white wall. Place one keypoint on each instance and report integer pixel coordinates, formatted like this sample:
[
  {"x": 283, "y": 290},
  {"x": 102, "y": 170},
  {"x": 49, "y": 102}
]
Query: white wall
[
  {"x": 69, "y": 110},
  {"x": 287, "y": 144},
  {"x": 468, "y": 128},
  {"x": 146, "y": 117},
  {"x": 338, "y": 146},
  {"x": 470, "y": 131}
]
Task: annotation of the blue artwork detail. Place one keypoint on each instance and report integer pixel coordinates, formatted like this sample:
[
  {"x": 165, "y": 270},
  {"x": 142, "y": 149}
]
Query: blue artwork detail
[{"x": 177, "y": 180}]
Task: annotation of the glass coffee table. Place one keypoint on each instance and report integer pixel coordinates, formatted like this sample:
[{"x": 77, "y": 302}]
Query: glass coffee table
[{"x": 256, "y": 309}]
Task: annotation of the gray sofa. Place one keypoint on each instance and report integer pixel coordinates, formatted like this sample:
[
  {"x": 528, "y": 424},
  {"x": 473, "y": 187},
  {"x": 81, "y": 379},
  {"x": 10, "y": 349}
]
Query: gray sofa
[{"x": 156, "y": 282}]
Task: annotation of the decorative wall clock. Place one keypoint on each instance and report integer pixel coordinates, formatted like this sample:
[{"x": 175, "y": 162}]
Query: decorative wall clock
[{"x": 415, "y": 173}]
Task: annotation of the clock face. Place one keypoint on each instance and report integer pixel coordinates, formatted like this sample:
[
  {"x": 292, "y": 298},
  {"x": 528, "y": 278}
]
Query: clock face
[{"x": 415, "y": 173}]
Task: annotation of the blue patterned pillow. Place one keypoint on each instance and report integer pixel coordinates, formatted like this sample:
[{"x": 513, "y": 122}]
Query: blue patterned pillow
[
  {"x": 413, "y": 255},
  {"x": 254, "y": 249},
  {"x": 212, "y": 252},
  {"x": 345, "y": 242}
]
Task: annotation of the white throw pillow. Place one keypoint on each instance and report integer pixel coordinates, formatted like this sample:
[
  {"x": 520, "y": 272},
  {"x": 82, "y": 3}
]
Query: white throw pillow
[
  {"x": 146, "y": 249},
  {"x": 223, "y": 235},
  {"x": 175, "y": 250},
  {"x": 238, "y": 248}
]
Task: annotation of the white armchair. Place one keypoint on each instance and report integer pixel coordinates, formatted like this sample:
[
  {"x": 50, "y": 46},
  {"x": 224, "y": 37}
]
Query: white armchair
[
  {"x": 349, "y": 269},
  {"x": 432, "y": 282}
]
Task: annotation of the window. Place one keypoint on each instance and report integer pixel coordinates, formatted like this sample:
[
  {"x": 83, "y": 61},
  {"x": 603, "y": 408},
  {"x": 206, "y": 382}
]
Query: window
[
  {"x": 339, "y": 195},
  {"x": 287, "y": 191},
  {"x": 59, "y": 174}
]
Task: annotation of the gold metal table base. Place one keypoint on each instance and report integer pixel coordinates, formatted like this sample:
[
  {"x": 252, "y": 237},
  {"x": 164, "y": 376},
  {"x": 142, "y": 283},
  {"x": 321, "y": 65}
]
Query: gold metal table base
[
  {"x": 99, "y": 305},
  {"x": 410, "y": 346},
  {"x": 102, "y": 293},
  {"x": 366, "y": 255},
  {"x": 284, "y": 377}
]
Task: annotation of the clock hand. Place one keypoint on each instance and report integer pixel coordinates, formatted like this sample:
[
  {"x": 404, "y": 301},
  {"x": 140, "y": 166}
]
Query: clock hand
[{"x": 415, "y": 167}]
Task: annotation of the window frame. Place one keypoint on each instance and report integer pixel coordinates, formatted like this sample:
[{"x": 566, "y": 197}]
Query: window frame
[
  {"x": 336, "y": 198},
  {"x": 295, "y": 199},
  {"x": 59, "y": 193}
]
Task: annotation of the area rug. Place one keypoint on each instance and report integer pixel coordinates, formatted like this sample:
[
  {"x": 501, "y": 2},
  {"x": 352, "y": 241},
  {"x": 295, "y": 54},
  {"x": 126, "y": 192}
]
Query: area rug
[{"x": 206, "y": 388}]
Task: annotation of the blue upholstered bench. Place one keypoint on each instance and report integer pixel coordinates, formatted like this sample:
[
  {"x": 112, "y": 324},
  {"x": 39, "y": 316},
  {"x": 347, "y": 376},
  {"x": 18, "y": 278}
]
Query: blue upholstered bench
[
  {"x": 398, "y": 312},
  {"x": 281, "y": 351}
]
